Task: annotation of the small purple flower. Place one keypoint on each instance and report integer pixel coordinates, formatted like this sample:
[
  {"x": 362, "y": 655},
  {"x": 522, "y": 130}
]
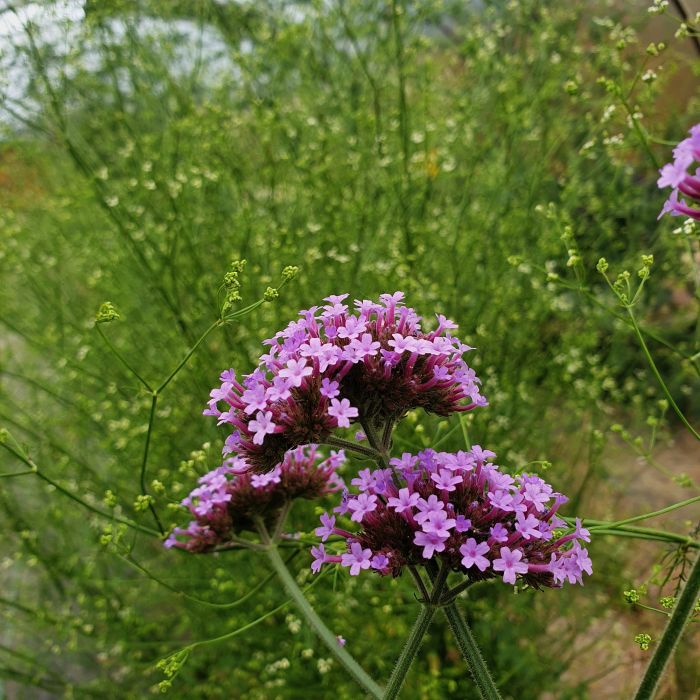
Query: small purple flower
[
  {"x": 342, "y": 411},
  {"x": 499, "y": 533},
  {"x": 295, "y": 371},
  {"x": 432, "y": 505},
  {"x": 676, "y": 175},
  {"x": 473, "y": 554},
  {"x": 431, "y": 542},
  {"x": 446, "y": 480},
  {"x": 329, "y": 388},
  {"x": 527, "y": 527},
  {"x": 405, "y": 501},
  {"x": 327, "y": 525},
  {"x": 319, "y": 555},
  {"x": 380, "y": 561},
  {"x": 509, "y": 563},
  {"x": 360, "y": 506},
  {"x": 462, "y": 524},
  {"x": 357, "y": 558},
  {"x": 581, "y": 533},
  {"x": 439, "y": 523},
  {"x": 262, "y": 425}
]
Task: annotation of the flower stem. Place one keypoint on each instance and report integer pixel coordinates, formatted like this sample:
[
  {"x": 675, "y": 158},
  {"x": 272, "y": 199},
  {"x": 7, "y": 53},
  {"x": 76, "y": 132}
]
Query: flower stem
[
  {"x": 469, "y": 648},
  {"x": 420, "y": 627},
  {"x": 471, "y": 652},
  {"x": 304, "y": 607},
  {"x": 682, "y": 613},
  {"x": 403, "y": 664},
  {"x": 367, "y": 452}
]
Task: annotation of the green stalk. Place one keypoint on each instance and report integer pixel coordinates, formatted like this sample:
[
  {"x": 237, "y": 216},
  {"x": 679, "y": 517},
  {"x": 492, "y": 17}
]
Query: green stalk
[
  {"x": 420, "y": 627},
  {"x": 304, "y": 607},
  {"x": 682, "y": 613},
  {"x": 403, "y": 663},
  {"x": 471, "y": 652},
  {"x": 469, "y": 648}
]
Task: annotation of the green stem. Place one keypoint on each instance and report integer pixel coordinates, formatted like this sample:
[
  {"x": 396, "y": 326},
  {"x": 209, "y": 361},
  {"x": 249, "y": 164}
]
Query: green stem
[
  {"x": 420, "y": 627},
  {"x": 222, "y": 606},
  {"x": 645, "y": 516},
  {"x": 469, "y": 648},
  {"x": 9, "y": 475},
  {"x": 639, "y": 534},
  {"x": 403, "y": 664},
  {"x": 144, "y": 462},
  {"x": 658, "y": 376},
  {"x": 471, "y": 652},
  {"x": 672, "y": 634},
  {"x": 642, "y": 533},
  {"x": 368, "y": 452},
  {"x": 304, "y": 607}
]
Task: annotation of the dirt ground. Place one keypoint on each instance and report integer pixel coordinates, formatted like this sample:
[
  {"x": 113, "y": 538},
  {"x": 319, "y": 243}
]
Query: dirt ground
[{"x": 608, "y": 654}]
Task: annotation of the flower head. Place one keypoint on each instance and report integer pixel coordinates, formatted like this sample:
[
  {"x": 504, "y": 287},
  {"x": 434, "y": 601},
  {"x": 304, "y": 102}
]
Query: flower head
[
  {"x": 676, "y": 175},
  {"x": 333, "y": 366},
  {"x": 476, "y": 519},
  {"x": 227, "y": 502}
]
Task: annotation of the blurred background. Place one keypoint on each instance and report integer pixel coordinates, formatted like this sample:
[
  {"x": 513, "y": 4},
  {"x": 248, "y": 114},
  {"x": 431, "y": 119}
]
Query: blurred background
[{"x": 479, "y": 156}]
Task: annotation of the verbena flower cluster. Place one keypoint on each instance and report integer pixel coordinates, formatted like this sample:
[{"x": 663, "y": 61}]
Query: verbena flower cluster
[
  {"x": 461, "y": 509},
  {"x": 676, "y": 175},
  {"x": 228, "y": 499},
  {"x": 333, "y": 366}
]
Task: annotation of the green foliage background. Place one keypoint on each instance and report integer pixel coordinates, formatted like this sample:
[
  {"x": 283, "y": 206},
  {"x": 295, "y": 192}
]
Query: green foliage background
[{"x": 478, "y": 157}]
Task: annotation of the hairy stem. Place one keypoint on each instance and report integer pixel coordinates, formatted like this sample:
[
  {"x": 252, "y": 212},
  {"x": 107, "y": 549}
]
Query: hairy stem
[
  {"x": 469, "y": 648},
  {"x": 403, "y": 663},
  {"x": 672, "y": 634},
  {"x": 420, "y": 627},
  {"x": 368, "y": 452},
  {"x": 471, "y": 652}
]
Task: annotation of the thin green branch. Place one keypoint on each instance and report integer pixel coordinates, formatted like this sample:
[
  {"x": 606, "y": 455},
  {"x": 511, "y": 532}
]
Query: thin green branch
[
  {"x": 98, "y": 511},
  {"x": 658, "y": 376},
  {"x": 646, "y": 516},
  {"x": 121, "y": 358},
  {"x": 187, "y": 356},
  {"x": 144, "y": 461},
  {"x": 221, "y": 606}
]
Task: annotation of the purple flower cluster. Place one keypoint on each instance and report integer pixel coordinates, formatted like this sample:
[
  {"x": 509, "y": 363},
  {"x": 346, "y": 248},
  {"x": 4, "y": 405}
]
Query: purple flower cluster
[
  {"x": 334, "y": 367},
  {"x": 676, "y": 175},
  {"x": 461, "y": 509},
  {"x": 228, "y": 499}
]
